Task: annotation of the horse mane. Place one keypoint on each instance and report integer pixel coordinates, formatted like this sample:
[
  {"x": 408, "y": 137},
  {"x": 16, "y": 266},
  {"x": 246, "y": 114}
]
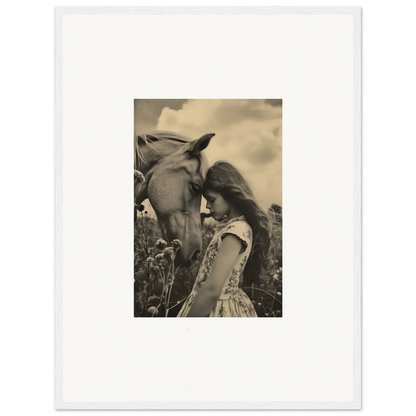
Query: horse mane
[
  {"x": 148, "y": 139},
  {"x": 162, "y": 135}
]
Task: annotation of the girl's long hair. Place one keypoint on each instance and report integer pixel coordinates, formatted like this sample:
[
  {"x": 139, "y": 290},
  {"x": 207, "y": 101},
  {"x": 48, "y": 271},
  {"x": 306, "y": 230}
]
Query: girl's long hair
[{"x": 227, "y": 180}]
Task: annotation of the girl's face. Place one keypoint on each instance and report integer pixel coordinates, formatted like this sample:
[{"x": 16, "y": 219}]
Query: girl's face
[{"x": 218, "y": 206}]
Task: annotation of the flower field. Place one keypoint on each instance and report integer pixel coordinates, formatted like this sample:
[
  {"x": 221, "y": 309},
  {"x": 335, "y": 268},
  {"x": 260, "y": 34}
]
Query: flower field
[{"x": 160, "y": 288}]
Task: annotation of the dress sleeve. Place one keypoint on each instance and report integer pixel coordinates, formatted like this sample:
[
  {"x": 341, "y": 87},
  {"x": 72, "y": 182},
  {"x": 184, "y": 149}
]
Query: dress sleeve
[{"x": 240, "y": 229}]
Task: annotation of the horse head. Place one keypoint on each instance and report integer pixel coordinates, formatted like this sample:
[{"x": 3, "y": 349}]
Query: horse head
[{"x": 174, "y": 189}]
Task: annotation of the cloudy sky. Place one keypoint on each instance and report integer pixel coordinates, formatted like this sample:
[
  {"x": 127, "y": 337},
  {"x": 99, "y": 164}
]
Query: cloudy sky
[{"x": 248, "y": 134}]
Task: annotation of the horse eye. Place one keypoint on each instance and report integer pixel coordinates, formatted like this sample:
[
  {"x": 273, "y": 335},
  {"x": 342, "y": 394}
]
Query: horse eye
[{"x": 196, "y": 189}]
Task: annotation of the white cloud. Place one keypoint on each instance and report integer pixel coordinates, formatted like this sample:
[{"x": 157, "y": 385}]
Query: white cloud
[{"x": 247, "y": 134}]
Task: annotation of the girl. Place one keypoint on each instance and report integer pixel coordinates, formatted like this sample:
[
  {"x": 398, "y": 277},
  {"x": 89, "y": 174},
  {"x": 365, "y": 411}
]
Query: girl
[{"x": 241, "y": 244}]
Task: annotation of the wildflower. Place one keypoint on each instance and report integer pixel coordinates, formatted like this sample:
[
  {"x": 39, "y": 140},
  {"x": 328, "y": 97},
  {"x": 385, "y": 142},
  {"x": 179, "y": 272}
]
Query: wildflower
[
  {"x": 159, "y": 258},
  {"x": 139, "y": 176},
  {"x": 259, "y": 304},
  {"x": 266, "y": 314},
  {"x": 149, "y": 262},
  {"x": 168, "y": 252},
  {"x": 275, "y": 276},
  {"x": 176, "y": 244},
  {"x": 279, "y": 293},
  {"x": 153, "y": 310},
  {"x": 161, "y": 244}
]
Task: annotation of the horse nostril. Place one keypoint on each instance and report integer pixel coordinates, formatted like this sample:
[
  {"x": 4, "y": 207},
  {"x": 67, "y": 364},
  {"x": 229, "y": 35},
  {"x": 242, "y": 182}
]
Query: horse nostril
[{"x": 195, "y": 255}]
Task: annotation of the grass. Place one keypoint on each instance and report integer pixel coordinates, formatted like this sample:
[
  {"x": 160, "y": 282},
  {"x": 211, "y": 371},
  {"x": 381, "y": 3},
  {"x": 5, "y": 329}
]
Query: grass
[{"x": 160, "y": 289}]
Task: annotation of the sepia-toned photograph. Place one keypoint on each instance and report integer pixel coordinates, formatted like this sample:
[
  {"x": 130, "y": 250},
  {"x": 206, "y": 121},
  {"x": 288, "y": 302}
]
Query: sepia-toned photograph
[{"x": 208, "y": 208}]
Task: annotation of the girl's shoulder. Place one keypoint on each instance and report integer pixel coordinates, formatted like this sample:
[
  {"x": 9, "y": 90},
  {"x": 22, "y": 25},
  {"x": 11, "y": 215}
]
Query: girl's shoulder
[{"x": 239, "y": 227}]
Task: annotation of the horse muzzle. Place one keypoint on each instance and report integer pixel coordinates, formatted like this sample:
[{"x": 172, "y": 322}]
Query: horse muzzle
[{"x": 188, "y": 231}]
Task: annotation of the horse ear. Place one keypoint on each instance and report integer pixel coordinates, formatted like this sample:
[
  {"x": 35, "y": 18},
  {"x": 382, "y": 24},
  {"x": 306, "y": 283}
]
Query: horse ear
[{"x": 197, "y": 146}]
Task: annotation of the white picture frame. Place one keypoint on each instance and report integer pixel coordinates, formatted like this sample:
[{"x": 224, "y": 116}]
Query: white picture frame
[{"x": 313, "y": 354}]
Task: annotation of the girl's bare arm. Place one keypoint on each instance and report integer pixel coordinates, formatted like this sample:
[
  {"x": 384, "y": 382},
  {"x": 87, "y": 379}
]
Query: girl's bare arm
[{"x": 211, "y": 290}]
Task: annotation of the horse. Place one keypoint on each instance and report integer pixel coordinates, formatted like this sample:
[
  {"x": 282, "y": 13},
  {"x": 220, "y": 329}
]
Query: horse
[{"x": 174, "y": 171}]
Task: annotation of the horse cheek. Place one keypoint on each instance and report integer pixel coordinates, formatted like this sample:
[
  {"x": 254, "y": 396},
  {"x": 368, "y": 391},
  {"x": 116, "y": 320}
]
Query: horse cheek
[{"x": 165, "y": 194}]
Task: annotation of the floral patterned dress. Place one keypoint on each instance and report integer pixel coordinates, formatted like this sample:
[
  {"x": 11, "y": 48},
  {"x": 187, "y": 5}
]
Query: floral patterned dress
[{"x": 233, "y": 301}]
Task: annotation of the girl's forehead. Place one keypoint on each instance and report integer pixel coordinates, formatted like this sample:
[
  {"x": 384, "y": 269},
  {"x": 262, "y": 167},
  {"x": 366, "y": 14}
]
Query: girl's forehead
[{"x": 210, "y": 193}]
